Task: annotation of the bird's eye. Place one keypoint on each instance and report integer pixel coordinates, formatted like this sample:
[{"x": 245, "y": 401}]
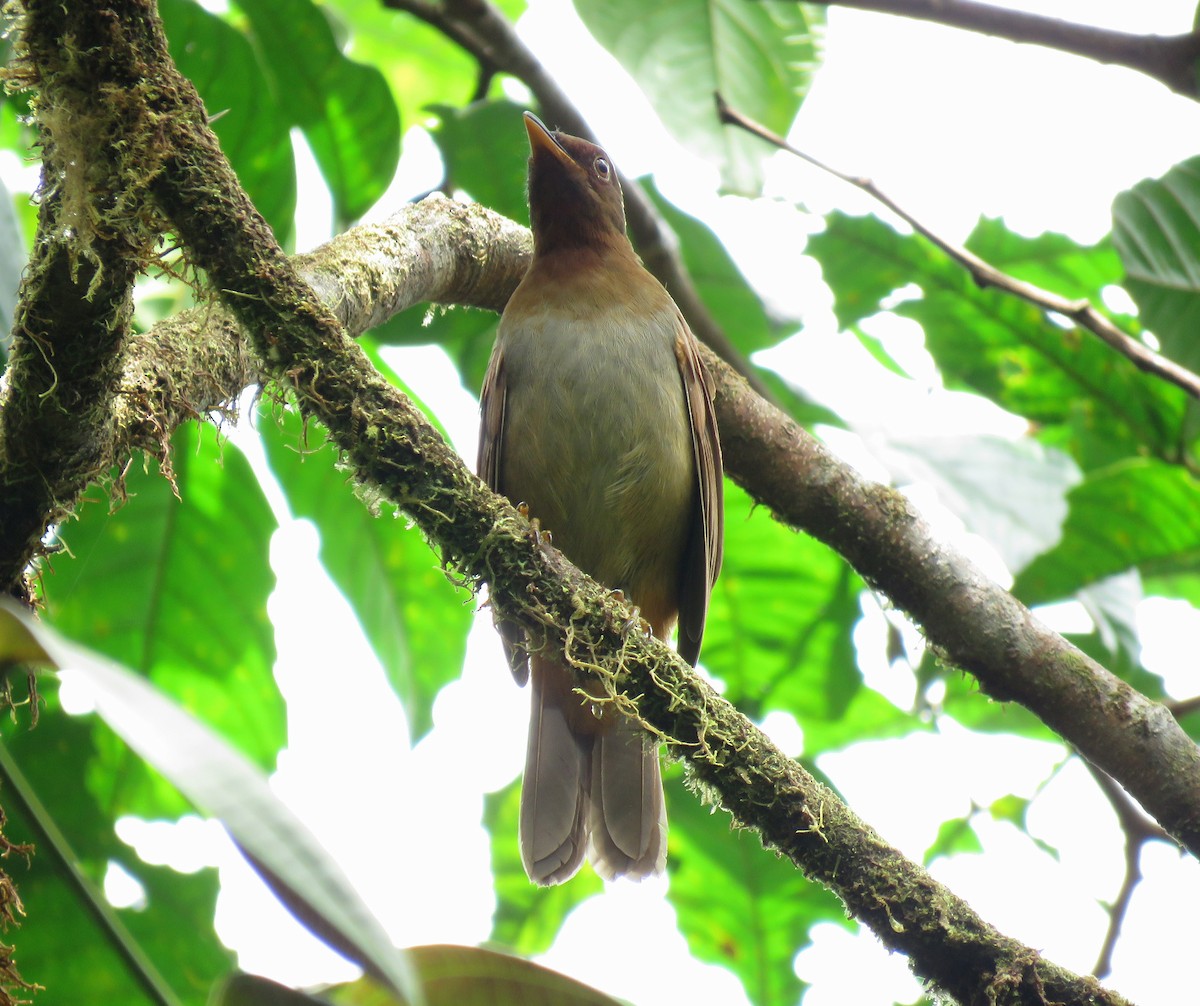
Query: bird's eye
[{"x": 603, "y": 168}]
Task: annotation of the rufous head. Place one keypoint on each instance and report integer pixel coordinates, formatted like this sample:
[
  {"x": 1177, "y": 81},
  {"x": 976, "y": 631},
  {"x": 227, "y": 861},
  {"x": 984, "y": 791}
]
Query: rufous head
[{"x": 574, "y": 196}]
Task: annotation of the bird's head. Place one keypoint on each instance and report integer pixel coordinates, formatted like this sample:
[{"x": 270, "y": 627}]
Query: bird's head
[{"x": 574, "y": 196}]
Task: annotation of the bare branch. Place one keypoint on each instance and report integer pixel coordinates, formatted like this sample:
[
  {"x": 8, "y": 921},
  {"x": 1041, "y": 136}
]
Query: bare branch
[
  {"x": 1170, "y": 59},
  {"x": 985, "y": 274},
  {"x": 1138, "y": 831},
  {"x": 1184, "y": 707}
]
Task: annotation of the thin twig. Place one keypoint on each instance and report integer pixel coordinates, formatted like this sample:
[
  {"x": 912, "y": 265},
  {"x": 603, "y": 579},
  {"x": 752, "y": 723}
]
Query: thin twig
[
  {"x": 987, "y": 275},
  {"x": 1184, "y": 707},
  {"x": 1138, "y": 831},
  {"x": 1169, "y": 59}
]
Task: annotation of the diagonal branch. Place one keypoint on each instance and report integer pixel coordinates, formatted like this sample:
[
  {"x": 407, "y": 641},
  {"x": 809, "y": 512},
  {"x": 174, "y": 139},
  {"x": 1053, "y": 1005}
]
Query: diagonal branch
[
  {"x": 1169, "y": 59},
  {"x": 987, "y": 275}
]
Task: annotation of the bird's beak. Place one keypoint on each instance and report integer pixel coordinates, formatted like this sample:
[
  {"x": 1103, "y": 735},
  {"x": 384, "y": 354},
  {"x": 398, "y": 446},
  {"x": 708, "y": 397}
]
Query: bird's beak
[{"x": 542, "y": 141}]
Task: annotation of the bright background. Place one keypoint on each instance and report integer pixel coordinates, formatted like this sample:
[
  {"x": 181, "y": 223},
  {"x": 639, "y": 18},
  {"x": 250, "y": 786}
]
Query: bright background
[{"x": 951, "y": 125}]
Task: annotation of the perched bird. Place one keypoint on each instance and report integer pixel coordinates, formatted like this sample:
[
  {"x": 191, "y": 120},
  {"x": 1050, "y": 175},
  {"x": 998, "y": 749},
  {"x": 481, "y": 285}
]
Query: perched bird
[{"x": 597, "y": 414}]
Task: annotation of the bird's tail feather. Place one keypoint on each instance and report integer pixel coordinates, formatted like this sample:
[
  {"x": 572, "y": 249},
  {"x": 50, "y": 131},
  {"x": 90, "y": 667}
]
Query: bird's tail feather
[
  {"x": 553, "y": 792},
  {"x": 626, "y": 818},
  {"x": 589, "y": 788}
]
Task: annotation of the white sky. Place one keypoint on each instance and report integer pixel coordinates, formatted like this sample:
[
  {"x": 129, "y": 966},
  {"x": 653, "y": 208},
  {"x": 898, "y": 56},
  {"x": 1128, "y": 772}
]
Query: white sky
[{"x": 951, "y": 125}]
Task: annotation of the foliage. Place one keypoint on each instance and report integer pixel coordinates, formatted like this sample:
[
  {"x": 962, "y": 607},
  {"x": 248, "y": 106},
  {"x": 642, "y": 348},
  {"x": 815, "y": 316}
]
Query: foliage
[{"x": 172, "y": 580}]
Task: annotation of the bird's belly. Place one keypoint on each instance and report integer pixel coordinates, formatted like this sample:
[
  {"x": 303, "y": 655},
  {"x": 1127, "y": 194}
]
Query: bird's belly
[{"x": 597, "y": 442}]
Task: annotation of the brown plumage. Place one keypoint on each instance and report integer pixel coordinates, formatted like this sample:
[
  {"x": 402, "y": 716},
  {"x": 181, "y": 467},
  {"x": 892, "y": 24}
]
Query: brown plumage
[{"x": 597, "y": 413}]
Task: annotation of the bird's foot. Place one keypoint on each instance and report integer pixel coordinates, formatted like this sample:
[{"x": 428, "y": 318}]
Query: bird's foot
[
  {"x": 635, "y": 621},
  {"x": 539, "y": 534}
]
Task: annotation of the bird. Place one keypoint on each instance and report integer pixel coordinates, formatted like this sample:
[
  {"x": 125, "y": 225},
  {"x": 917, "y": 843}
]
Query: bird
[{"x": 597, "y": 416}]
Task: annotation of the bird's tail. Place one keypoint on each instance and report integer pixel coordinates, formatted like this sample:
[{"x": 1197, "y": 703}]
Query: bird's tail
[
  {"x": 627, "y": 817},
  {"x": 590, "y": 786}
]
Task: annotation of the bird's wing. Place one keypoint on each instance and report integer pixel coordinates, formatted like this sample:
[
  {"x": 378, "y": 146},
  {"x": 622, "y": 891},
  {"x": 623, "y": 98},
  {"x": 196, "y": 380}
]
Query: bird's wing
[
  {"x": 492, "y": 398},
  {"x": 702, "y": 559}
]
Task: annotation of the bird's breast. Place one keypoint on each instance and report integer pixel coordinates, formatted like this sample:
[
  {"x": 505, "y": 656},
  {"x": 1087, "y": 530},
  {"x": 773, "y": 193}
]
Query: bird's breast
[{"x": 596, "y": 435}]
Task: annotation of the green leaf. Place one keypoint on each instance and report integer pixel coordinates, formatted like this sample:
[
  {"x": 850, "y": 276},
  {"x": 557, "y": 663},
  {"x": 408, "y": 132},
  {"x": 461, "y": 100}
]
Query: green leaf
[
  {"x": 218, "y": 59},
  {"x": 241, "y": 989},
  {"x": 1141, "y": 513},
  {"x": 954, "y": 836},
  {"x": 61, "y": 946},
  {"x": 878, "y": 351},
  {"x": 177, "y": 586},
  {"x": 344, "y": 108},
  {"x": 868, "y": 716},
  {"x": 219, "y": 780},
  {"x": 485, "y": 150},
  {"x": 467, "y": 336},
  {"x": 781, "y": 618},
  {"x": 527, "y": 917},
  {"x": 1112, "y": 604},
  {"x": 1011, "y": 808},
  {"x": 758, "y": 56},
  {"x": 1083, "y": 396},
  {"x": 473, "y": 976},
  {"x": 1156, "y": 230},
  {"x": 433, "y": 69},
  {"x": 416, "y": 623},
  {"x": 734, "y": 303},
  {"x": 740, "y": 905},
  {"x": 1012, "y": 493}
]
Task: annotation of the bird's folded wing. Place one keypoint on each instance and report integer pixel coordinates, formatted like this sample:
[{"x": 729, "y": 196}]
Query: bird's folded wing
[
  {"x": 492, "y": 399},
  {"x": 702, "y": 561}
]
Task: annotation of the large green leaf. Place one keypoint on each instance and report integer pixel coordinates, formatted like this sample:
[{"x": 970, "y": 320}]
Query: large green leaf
[
  {"x": 527, "y": 917},
  {"x": 61, "y": 947},
  {"x": 177, "y": 586},
  {"x": 781, "y": 618},
  {"x": 344, "y": 108},
  {"x": 254, "y": 134},
  {"x": 734, "y": 303},
  {"x": 218, "y": 779},
  {"x": 1082, "y": 395},
  {"x": 1012, "y": 493},
  {"x": 1156, "y": 229},
  {"x": 485, "y": 150},
  {"x": 465, "y": 976},
  {"x": 1141, "y": 513},
  {"x": 421, "y": 64},
  {"x": 466, "y": 335},
  {"x": 740, "y": 905},
  {"x": 415, "y": 621},
  {"x": 758, "y": 56}
]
